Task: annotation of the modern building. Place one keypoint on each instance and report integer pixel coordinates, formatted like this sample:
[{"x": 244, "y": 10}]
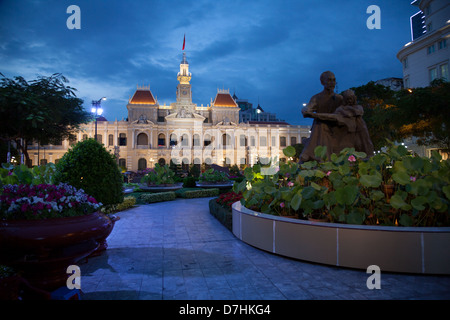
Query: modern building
[
  {"x": 392, "y": 83},
  {"x": 249, "y": 114},
  {"x": 183, "y": 132},
  {"x": 426, "y": 57}
]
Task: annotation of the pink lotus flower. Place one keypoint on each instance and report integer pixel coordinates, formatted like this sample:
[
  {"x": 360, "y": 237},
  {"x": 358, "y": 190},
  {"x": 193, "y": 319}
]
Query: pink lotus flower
[{"x": 352, "y": 158}]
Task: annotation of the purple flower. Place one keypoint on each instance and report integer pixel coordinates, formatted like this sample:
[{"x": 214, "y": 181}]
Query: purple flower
[
  {"x": 282, "y": 204},
  {"x": 352, "y": 158}
]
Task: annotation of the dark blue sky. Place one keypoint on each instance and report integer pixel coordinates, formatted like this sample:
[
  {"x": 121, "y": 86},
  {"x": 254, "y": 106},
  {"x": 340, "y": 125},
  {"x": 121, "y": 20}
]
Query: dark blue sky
[{"x": 267, "y": 51}]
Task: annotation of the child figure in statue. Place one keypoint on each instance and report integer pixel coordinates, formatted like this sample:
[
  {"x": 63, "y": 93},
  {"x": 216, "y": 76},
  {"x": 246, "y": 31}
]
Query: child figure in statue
[{"x": 351, "y": 130}]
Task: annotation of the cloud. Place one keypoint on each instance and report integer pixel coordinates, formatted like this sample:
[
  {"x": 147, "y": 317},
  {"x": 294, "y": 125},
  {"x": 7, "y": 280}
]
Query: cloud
[{"x": 271, "y": 51}]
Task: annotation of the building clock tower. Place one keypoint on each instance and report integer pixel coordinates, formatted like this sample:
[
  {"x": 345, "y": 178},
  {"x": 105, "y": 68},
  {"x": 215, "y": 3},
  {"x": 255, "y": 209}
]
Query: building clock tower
[{"x": 184, "y": 92}]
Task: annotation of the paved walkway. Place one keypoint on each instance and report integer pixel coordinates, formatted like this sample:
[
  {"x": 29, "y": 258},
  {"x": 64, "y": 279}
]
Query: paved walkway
[{"x": 177, "y": 250}]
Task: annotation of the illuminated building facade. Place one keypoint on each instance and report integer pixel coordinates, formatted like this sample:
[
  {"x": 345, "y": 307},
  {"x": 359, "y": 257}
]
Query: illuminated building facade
[{"x": 183, "y": 132}]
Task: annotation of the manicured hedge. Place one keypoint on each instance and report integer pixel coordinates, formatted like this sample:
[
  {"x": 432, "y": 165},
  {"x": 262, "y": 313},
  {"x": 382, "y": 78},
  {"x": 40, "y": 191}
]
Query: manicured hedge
[
  {"x": 197, "y": 193},
  {"x": 157, "y": 197},
  {"x": 220, "y": 213}
]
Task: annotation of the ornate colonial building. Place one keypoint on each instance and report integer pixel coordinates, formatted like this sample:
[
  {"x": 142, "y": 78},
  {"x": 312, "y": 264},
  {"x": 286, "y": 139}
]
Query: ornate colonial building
[{"x": 183, "y": 132}]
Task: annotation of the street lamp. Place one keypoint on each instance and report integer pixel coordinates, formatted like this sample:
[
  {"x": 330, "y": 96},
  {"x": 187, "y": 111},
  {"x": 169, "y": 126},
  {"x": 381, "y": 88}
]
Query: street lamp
[{"x": 97, "y": 111}]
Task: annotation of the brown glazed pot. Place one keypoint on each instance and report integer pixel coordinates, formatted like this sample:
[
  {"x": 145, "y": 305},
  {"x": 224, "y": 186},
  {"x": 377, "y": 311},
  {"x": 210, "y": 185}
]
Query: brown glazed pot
[{"x": 43, "y": 249}]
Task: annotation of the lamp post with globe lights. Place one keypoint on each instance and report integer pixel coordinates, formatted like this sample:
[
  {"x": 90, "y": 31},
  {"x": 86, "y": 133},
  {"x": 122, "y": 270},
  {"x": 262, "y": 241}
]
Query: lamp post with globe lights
[{"x": 97, "y": 111}]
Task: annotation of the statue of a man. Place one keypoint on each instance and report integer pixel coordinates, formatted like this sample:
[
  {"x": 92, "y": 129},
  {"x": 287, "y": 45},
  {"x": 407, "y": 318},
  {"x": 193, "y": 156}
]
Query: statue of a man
[{"x": 322, "y": 131}]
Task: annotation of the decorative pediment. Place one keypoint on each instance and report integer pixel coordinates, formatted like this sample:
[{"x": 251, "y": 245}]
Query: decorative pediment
[{"x": 184, "y": 117}]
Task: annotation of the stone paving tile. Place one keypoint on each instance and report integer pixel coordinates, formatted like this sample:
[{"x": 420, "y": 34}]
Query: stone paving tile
[{"x": 176, "y": 250}]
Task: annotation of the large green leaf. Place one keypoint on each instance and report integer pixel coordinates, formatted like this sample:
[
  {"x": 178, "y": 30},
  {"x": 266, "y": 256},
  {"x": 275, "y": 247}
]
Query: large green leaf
[
  {"x": 356, "y": 217},
  {"x": 401, "y": 177},
  {"x": 413, "y": 163},
  {"x": 398, "y": 202},
  {"x": 296, "y": 201},
  {"x": 308, "y": 192},
  {"x": 418, "y": 203},
  {"x": 376, "y": 195},
  {"x": 371, "y": 181},
  {"x": 320, "y": 152},
  {"x": 309, "y": 164},
  {"x": 347, "y": 195}
]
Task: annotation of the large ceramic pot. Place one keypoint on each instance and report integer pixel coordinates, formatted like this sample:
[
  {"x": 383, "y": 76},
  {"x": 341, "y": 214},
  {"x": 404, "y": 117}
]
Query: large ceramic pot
[{"x": 43, "y": 249}]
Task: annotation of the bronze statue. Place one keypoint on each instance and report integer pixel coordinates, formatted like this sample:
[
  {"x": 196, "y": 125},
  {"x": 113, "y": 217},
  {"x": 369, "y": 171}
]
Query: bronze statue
[
  {"x": 338, "y": 122},
  {"x": 324, "y": 102}
]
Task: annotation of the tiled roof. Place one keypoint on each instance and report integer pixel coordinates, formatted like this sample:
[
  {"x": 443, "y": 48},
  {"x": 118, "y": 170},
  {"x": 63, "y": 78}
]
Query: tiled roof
[
  {"x": 224, "y": 100},
  {"x": 101, "y": 118},
  {"x": 142, "y": 96}
]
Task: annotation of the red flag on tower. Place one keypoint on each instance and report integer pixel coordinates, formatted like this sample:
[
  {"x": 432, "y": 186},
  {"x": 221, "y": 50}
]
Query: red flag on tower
[{"x": 184, "y": 40}]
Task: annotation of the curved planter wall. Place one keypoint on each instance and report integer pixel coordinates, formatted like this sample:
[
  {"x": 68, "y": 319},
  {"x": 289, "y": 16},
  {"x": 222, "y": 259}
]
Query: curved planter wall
[{"x": 393, "y": 249}]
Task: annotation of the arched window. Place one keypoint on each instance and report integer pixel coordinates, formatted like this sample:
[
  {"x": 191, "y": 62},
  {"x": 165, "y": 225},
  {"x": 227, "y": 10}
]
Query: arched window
[
  {"x": 242, "y": 140},
  {"x": 142, "y": 139},
  {"x": 122, "y": 139},
  {"x": 173, "y": 139},
  {"x": 162, "y": 161},
  {"x": 293, "y": 141},
  {"x": 142, "y": 164},
  {"x": 196, "y": 141},
  {"x": 226, "y": 139},
  {"x": 161, "y": 140},
  {"x": 185, "y": 140},
  {"x": 207, "y": 140},
  {"x": 263, "y": 141}
]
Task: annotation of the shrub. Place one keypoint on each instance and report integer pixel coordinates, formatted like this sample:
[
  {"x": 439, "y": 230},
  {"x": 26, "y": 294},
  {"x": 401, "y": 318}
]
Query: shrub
[
  {"x": 21, "y": 174},
  {"x": 160, "y": 175},
  {"x": 157, "y": 197},
  {"x": 89, "y": 166},
  {"x": 197, "y": 193},
  {"x": 128, "y": 202},
  {"x": 212, "y": 176},
  {"x": 228, "y": 198},
  {"x": 189, "y": 182},
  {"x": 223, "y": 215}
]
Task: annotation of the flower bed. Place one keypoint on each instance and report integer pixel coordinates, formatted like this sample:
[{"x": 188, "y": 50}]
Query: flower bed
[
  {"x": 351, "y": 189},
  {"x": 44, "y": 201}
]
